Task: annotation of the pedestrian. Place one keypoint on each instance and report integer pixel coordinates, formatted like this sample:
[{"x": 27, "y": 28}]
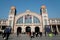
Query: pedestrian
[
  {"x": 17, "y": 33},
  {"x": 40, "y": 33},
  {"x": 47, "y": 30},
  {"x": 45, "y": 33},
  {"x": 29, "y": 33},
  {"x": 55, "y": 33},
  {"x": 36, "y": 34},
  {"x": 32, "y": 35},
  {"x": 7, "y": 32}
]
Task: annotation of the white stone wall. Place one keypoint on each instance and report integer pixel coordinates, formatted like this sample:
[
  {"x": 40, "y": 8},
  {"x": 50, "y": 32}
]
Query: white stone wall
[{"x": 24, "y": 28}]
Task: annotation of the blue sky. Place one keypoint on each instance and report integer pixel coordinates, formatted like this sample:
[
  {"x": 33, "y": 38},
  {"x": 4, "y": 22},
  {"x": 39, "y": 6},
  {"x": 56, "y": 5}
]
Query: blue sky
[{"x": 53, "y": 7}]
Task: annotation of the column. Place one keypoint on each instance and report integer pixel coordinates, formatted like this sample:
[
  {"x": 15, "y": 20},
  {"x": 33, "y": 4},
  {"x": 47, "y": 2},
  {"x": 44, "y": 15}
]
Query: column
[
  {"x": 51, "y": 28},
  {"x": 57, "y": 28},
  {"x": 32, "y": 19},
  {"x": 23, "y": 19},
  {"x": 23, "y": 28}
]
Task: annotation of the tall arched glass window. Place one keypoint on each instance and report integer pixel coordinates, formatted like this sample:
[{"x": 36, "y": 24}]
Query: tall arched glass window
[
  {"x": 28, "y": 19},
  {"x": 20, "y": 20},
  {"x": 35, "y": 20}
]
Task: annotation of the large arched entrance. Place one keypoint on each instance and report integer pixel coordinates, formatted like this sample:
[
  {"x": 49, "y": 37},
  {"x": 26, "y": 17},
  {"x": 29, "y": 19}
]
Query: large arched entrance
[
  {"x": 37, "y": 29},
  {"x": 19, "y": 29},
  {"x": 28, "y": 29}
]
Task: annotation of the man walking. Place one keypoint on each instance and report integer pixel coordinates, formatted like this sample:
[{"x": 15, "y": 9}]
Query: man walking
[{"x": 7, "y": 32}]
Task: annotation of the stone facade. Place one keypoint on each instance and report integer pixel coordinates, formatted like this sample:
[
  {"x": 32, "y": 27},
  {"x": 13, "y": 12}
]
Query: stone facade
[{"x": 31, "y": 20}]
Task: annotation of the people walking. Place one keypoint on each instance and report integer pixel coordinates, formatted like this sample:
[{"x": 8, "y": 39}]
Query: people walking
[
  {"x": 17, "y": 33},
  {"x": 7, "y": 32},
  {"x": 36, "y": 34},
  {"x": 40, "y": 33},
  {"x": 55, "y": 32}
]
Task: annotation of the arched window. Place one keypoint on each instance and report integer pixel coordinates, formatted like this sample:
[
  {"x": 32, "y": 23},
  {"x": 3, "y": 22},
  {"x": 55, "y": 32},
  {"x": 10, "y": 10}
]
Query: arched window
[
  {"x": 28, "y": 19},
  {"x": 28, "y": 29},
  {"x": 20, "y": 20},
  {"x": 35, "y": 20}
]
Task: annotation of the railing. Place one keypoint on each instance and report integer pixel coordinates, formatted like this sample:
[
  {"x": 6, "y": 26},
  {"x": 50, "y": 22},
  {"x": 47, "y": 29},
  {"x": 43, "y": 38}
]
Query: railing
[{"x": 54, "y": 22}]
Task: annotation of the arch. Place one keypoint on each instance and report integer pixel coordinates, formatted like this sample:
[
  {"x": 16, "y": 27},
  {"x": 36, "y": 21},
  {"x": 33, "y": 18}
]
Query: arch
[
  {"x": 28, "y": 29},
  {"x": 3, "y": 27},
  {"x": 20, "y": 20},
  {"x": 36, "y": 20},
  {"x": 28, "y": 19},
  {"x": 37, "y": 29},
  {"x": 31, "y": 13},
  {"x": 19, "y": 29}
]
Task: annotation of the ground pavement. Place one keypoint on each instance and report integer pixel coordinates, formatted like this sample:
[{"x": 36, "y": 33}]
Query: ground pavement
[{"x": 26, "y": 37}]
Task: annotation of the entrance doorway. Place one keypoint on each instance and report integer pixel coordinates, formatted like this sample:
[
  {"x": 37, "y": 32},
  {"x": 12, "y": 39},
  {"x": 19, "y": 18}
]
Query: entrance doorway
[
  {"x": 3, "y": 27},
  {"x": 37, "y": 29},
  {"x": 28, "y": 29},
  {"x": 19, "y": 29}
]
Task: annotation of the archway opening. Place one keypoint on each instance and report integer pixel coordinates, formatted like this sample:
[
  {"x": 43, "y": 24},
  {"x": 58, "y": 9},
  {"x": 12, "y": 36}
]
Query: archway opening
[
  {"x": 37, "y": 29},
  {"x": 3, "y": 27},
  {"x": 28, "y": 29},
  {"x": 19, "y": 29}
]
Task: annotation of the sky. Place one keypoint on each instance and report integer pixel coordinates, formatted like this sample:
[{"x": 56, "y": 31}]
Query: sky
[{"x": 53, "y": 7}]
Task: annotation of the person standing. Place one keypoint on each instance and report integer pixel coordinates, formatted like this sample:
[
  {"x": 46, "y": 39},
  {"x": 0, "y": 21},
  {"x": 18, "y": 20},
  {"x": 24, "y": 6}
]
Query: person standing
[
  {"x": 7, "y": 32},
  {"x": 17, "y": 33},
  {"x": 55, "y": 32}
]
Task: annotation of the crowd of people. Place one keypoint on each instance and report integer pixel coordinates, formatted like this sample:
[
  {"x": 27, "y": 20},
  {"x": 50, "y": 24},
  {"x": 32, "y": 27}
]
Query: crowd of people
[{"x": 7, "y": 32}]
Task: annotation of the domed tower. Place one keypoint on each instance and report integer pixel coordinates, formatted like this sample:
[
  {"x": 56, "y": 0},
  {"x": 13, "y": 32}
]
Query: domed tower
[
  {"x": 13, "y": 10},
  {"x": 44, "y": 15},
  {"x": 43, "y": 9},
  {"x": 11, "y": 17}
]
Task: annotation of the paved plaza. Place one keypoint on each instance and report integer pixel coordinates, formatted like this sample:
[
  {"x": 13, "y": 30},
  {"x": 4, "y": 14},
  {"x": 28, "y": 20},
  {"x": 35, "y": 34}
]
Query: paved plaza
[{"x": 26, "y": 37}]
